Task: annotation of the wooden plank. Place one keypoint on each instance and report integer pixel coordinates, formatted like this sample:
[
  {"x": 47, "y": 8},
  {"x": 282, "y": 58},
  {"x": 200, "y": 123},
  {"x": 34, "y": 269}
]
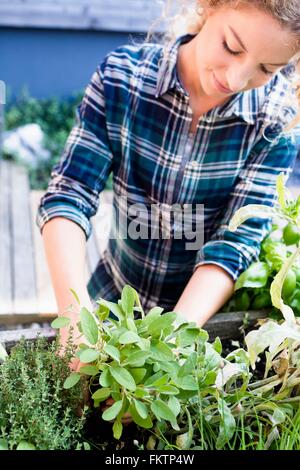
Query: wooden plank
[
  {"x": 227, "y": 325},
  {"x": 10, "y": 338},
  {"x": 45, "y": 293},
  {"x": 24, "y": 285},
  {"x": 224, "y": 325},
  {"x": 6, "y": 275}
]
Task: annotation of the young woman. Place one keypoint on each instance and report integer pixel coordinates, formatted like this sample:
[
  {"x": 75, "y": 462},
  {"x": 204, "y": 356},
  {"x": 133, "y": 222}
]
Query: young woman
[{"x": 202, "y": 121}]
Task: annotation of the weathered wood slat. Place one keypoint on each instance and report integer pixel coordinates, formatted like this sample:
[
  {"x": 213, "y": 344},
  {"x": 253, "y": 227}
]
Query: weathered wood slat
[
  {"x": 114, "y": 15},
  {"x": 24, "y": 289},
  {"x": 224, "y": 325},
  {"x": 6, "y": 274},
  {"x": 227, "y": 325},
  {"x": 10, "y": 338}
]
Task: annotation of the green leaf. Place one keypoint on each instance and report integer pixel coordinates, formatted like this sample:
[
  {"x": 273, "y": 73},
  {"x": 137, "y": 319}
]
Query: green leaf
[
  {"x": 105, "y": 378},
  {"x": 102, "y": 312},
  {"x": 187, "y": 337},
  {"x": 137, "y": 358},
  {"x": 89, "y": 370},
  {"x": 159, "y": 324},
  {"x": 189, "y": 365},
  {"x": 141, "y": 408},
  {"x": 3, "y": 353},
  {"x": 144, "y": 423},
  {"x": 88, "y": 355},
  {"x": 89, "y": 326},
  {"x": 24, "y": 445},
  {"x": 60, "y": 322},
  {"x": 162, "y": 411},
  {"x": 113, "y": 411},
  {"x": 75, "y": 296},
  {"x": 186, "y": 383},
  {"x": 72, "y": 380},
  {"x": 129, "y": 337},
  {"x": 153, "y": 314},
  {"x": 123, "y": 377},
  {"x": 255, "y": 276},
  {"x": 131, "y": 325},
  {"x": 141, "y": 393},
  {"x": 138, "y": 374},
  {"x": 161, "y": 352},
  {"x": 174, "y": 405},
  {"x": 128, "y": 299},
  {"x": 276, "y": 288},
  {"x": 112, "y": 352},
  {"x": 117, "y": 429},
  {"x": 227, "y": 425},
  {"x": 3, "y": 444},
  {"x": 114, "y": 308},
  {"x": 101, "y": 394},
  {"x": 168, "y": 390}
]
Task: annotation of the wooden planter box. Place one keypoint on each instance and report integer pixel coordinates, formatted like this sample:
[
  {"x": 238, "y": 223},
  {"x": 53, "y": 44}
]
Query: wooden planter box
[{"x": 225, "y": 325}]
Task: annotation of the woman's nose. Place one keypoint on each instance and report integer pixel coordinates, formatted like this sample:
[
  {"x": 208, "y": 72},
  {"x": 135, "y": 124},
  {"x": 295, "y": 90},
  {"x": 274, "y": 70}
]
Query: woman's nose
[{"x": 238, "y": 78}]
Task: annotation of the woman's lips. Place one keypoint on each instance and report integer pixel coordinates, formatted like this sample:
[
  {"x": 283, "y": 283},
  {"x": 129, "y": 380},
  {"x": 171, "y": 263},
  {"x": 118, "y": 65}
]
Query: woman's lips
[{"x": 220, "y": 87}]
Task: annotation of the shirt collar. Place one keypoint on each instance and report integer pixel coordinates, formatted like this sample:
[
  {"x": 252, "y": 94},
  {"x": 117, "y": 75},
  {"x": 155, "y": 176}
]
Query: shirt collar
[{"x": 254, "y": 105}]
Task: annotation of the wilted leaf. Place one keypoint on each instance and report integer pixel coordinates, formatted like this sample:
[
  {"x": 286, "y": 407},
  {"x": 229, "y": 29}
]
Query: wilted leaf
[{"x": 249, "y": 211}]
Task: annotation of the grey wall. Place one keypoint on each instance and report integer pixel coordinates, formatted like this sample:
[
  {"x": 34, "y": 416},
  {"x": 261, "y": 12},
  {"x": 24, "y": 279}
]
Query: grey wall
[{"x": 53, "y": 62}]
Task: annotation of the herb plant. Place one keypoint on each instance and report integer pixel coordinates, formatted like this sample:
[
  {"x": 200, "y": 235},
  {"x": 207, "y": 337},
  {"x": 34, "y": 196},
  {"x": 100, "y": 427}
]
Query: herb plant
[
  {"x": 36, "y": 411},
  {"x": 252, "y": 288}
]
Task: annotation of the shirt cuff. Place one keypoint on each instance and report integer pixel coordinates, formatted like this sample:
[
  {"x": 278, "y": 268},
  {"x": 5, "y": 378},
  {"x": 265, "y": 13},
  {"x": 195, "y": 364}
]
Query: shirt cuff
[
  {"x": 49, "y": 211},
  {"x": 225, "y": 255}
]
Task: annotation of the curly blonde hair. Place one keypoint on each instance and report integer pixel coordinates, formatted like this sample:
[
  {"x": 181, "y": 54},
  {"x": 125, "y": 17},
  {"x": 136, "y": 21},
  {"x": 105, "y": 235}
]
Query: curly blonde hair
[{"x": 188, "y": 16}]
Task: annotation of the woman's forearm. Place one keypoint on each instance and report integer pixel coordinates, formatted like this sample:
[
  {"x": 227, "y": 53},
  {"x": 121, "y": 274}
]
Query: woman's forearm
[
  {"x": 206, "y": 292},
  {"x": 65, "y": 247}
]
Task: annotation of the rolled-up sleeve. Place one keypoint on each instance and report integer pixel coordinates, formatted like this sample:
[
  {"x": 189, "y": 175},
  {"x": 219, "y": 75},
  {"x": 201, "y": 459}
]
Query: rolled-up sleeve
[
  {"x": 234, "y": 251},
  {"x": 86, "y": 162}
]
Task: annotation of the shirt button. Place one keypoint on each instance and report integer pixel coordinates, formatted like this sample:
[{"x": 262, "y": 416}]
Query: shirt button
[{"x": 194, "y": 162}]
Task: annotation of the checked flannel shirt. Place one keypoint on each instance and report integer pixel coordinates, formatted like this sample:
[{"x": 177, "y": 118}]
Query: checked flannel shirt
[{"x": 134, "y": 121}]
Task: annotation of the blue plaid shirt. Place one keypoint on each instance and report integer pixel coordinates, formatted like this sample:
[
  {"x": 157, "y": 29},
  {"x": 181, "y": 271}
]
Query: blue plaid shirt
[{"x": 134, "y": 121}]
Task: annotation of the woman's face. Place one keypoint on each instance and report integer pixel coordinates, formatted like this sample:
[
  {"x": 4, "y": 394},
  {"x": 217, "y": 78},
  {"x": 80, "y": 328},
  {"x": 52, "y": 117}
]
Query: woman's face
[{"x": 239, "y": 49}]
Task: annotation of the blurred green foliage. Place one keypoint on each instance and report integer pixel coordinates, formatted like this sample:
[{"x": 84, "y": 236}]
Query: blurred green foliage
[{"x": 56, "y": 118}]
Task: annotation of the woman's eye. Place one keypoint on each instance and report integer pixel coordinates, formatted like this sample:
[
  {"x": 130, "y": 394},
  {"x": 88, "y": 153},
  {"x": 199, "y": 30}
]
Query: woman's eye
[
  {"x": 227, "y": 48},
  {"x": 265, "y": 71}
]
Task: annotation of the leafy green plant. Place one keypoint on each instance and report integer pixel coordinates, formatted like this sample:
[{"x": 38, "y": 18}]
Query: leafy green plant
[
  {"x": 56, "y": 118},
  {"x": 176, "y": 384},
  {"x": 36, "y": 411},
  {"x": 144, "y": 364},
  {"x": 252, "y": 288}
]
